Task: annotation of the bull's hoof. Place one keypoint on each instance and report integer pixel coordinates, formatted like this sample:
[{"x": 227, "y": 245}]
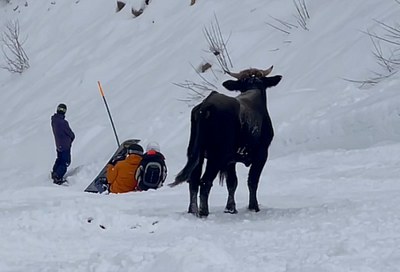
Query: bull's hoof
[
  {"x": 254, "y": 208},
  {"x": 203, "y": 213},
  {"x": 230, "y": 210},
  {"x": 193, "y": 209}
]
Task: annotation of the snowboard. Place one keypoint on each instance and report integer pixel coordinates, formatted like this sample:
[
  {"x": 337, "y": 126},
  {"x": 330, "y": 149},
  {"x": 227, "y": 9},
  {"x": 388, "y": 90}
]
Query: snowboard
[
  {"x": 99, "y": 184},
  {"x": 73, "y": 171},
  {"x": 64, "y": 183}
]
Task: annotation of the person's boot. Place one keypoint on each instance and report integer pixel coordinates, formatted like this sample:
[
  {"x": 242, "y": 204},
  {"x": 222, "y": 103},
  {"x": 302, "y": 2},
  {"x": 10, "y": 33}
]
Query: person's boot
[
  {"x": 57, "y": 180},
  {"x": 53, "y": 175}
]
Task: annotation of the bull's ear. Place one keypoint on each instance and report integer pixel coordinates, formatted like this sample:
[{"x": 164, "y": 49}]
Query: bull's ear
[
  {"x": 271, "y": 81},
  {"x": 233, "y": 85}
]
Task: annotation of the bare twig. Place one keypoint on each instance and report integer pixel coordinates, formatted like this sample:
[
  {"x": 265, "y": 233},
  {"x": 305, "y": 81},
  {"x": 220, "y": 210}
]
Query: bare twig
[
  {"x": 217, "y": 45},
  {"x": 280, "y": 29},
  {"x": 382, "y": 38},
  {"x": 392, "y": 33},
  {"x": 304, "y": 8},
  {"x": 372, "y": 80},
  {"x": 286, "y": 24},
  {"x": 389, "y": 58},
  {"x": 302, "y": 13},
  {"x": 379, "y": 56},
  {"x": 18, "y": 60},
  {"x": 199, "y": 90},
  {"x": 196, "y": 91}
]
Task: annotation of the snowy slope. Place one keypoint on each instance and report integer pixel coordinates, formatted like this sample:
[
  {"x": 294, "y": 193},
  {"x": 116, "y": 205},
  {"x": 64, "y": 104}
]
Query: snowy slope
[{"x": 329, "y": 192}]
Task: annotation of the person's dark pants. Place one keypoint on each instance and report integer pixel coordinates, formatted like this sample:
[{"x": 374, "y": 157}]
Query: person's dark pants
[{"x": 62, "y": 162}]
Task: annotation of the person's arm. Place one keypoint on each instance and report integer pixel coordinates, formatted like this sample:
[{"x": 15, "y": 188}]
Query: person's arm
[
  {"x": 112, "y": 173},
  {"x": 68, "y": 131}
]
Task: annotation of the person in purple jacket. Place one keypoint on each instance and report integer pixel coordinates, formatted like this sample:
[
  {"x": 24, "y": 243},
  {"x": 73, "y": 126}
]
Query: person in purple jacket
[{"x": 63, "y": 136}]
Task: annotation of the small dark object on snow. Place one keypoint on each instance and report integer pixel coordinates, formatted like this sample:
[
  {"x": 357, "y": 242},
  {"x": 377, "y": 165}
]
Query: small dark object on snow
[{"x": 120, "y": 5}]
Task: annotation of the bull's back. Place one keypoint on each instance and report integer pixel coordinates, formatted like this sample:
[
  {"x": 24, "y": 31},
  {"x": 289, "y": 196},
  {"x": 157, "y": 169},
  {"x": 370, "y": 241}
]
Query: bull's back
[
  {"x": 220, "y": 107},
  {"x": 220, "y": 122}
]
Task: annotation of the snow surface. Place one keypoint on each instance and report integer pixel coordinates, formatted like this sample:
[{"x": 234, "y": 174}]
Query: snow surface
[{"x": 329, "y": 194}]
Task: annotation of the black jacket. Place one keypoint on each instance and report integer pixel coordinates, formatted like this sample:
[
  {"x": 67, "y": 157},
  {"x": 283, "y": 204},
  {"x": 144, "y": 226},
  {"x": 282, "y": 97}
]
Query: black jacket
[{"x": 63, "y": 134}]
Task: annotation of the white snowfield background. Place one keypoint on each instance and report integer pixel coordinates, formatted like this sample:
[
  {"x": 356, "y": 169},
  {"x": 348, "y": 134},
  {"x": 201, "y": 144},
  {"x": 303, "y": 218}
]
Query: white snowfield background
[{"x": 329, "y": 193}]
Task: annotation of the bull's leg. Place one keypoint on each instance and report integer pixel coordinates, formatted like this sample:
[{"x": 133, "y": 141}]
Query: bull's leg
[
  {"x": 193, "y": 190},
  {"x": 252, "y": 182},
  {"x": 231, "y": 184},
  {"x": 206, "y": 183},
  {"x": 194, "y": 184}
]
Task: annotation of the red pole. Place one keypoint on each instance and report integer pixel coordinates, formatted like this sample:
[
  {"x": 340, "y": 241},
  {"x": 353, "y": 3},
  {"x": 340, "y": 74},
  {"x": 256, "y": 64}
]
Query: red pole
[{"x": 108, "y": 111}]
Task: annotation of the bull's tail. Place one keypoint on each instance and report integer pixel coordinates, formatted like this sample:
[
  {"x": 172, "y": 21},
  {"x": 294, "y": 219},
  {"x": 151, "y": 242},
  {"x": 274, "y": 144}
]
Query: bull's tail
[
  {"x": 195, "y": 148},
  {"x": 185, "y": 173},
  {"x": 222, "y": 176}
]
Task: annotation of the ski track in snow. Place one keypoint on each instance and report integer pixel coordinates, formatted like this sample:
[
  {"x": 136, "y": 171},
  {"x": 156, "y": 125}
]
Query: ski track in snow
[{"x": 329, "y": 194}]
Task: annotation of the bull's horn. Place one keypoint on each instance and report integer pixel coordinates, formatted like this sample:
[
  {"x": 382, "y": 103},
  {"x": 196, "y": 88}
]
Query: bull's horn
[
  {"x": 235, "y": 75},
  {"x": 268, "y": 71}
]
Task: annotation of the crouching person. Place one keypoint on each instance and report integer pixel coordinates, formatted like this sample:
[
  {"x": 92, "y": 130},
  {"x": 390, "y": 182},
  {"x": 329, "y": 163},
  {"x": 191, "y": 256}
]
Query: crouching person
[
  {"x": 152, "y": 170},
  {"x": 121, "y": 171}
]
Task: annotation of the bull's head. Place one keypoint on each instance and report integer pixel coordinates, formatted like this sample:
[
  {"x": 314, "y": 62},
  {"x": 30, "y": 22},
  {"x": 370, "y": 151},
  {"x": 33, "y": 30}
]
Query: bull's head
[
  {"x": 252, "y": 72},
  {"x": 250, "y": 79}
]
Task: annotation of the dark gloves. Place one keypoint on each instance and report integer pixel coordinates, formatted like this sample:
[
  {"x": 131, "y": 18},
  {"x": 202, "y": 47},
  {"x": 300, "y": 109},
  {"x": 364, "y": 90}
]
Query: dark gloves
[{"x": 116, "y": 159}]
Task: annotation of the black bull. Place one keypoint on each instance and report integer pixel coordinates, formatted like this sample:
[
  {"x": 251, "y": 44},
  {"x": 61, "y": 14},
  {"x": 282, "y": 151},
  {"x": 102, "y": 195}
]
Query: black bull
[{"x": 226, "y": 130}]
